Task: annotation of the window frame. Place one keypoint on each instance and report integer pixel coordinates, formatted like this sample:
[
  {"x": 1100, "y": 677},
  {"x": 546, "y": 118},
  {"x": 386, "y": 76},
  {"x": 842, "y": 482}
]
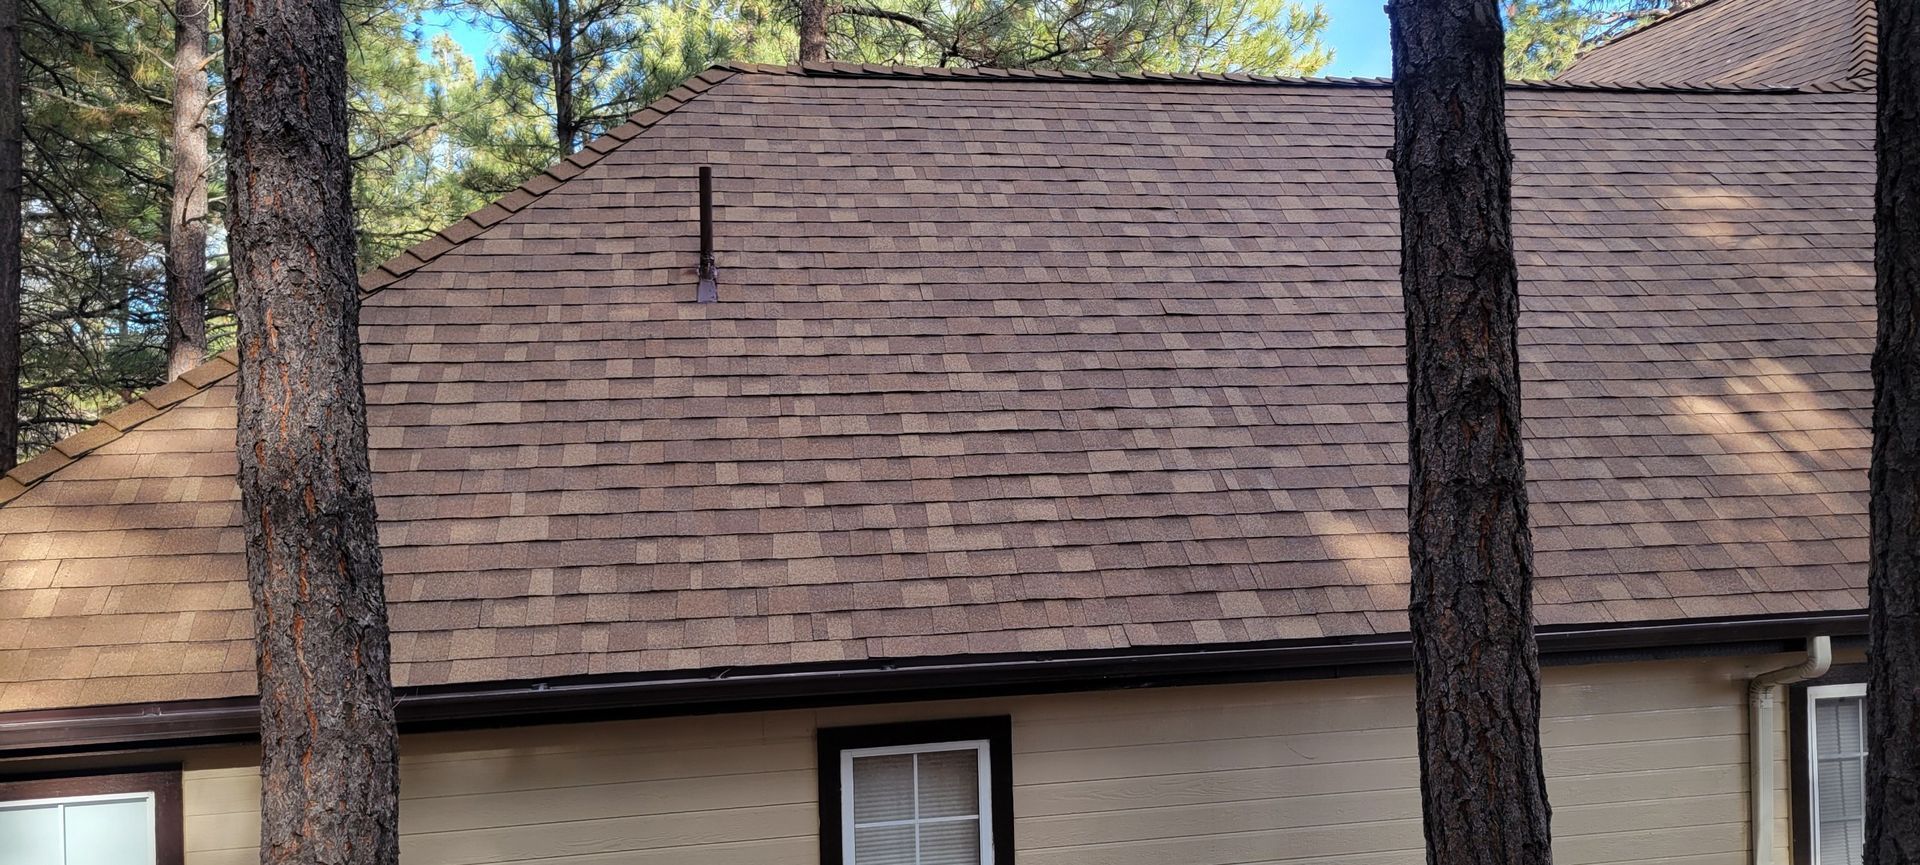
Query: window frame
[
  {"x": 993, "y": 736},
  {"x": 1842, "y": 680},
  {"x": 1816, "y": 693},
  {"x": 983, "y": 808},
  {"x": 161, "y": 786}
]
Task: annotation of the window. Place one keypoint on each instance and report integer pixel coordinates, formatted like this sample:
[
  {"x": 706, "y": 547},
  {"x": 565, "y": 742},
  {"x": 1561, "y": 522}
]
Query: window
[
  {"x": 917, "y": 805},
  {"x": 1836, "y": 769},
  {"x": 925, "y": 793},
  {"x": 121, "y": 819},
  {"x": 81, "y": 830}
]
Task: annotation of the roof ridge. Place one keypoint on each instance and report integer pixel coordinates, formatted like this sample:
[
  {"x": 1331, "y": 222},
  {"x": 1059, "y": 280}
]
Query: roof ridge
[
  {"x": 1864, "y": 58},
  {"x": 1866, "y": 40},
  {"x": 471, "y": 225},
  {"x": 1662, "y": 18},
  {"x": 157, "y": 401},
  {"x": 837, "y": 69},
  {"x": 117, "y": 423},
  {"x": 841, "y": 69}
]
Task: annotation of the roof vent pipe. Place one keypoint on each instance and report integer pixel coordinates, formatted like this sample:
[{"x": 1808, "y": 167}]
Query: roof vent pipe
[
  {"x": 709, "y": 274},
  {"x": 1761, "y": 712}
]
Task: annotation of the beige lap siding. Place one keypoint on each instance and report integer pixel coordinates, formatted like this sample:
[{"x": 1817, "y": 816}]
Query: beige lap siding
[{"x": 1646, "y": 761}]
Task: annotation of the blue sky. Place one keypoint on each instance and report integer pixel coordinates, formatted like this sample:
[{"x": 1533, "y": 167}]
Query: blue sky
[
  {"x": 1357, "y": 30},
  {"x": 473, "y": 40}
]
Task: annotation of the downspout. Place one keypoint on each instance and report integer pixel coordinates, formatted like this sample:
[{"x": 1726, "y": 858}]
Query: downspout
[{"x": 1762, "y": 697}]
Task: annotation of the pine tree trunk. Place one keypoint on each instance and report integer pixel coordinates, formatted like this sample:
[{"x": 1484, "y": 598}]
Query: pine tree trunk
[
  {"x": 329, "y": 783},
  {"x": 10, "y": 227},
  {"x": 187, "y": 212},
  {"x": 1893, "y": 654},
  {"x": 1483, "y": 794},
  {"x": 566, "y": 128},
  {"x": 813, "y": 31}
]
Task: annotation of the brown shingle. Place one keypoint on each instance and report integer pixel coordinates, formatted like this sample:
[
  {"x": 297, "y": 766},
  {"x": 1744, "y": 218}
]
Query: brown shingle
[
  {"x": 1742, "y": 42},
  {"x": 1019, "y": 364}
]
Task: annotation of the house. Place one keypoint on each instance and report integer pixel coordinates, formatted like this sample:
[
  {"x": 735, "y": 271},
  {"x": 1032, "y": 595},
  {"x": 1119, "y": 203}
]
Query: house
[{"x": 1031, "y": 487}]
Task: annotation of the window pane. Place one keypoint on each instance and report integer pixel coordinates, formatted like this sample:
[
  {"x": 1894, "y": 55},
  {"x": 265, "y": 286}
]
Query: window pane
[
  {"x": 1840, "y": 725},
  {"x": 1840, "y": 791},
  {"x": 1832, "y": 790},
  {"x": 1841, "y": 842},
  {"x": 882, "y": 788},
  {"x": 30, "y": 836},
  {"x": 1826, "y": 726},
  {"x": 954, "y": 843},
  {"x": 950, "y": 783},
  {"x": 886, "y": 845},
  {"x": 1851, "y": 799},
  {"x": 109, "y": 833}
]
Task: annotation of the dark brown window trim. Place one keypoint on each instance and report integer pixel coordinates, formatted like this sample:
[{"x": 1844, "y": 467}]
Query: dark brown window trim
[
  {"x": 1798, "y": 753},
  {"x": 997, "y": 731},
  {"x": 169, "y": 846}
]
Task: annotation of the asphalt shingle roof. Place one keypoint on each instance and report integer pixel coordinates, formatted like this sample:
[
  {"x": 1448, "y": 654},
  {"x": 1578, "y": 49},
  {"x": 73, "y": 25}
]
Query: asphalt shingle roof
[
  {"x": 1012, "y": 364},
  {"x": 1791, "y": 42}
]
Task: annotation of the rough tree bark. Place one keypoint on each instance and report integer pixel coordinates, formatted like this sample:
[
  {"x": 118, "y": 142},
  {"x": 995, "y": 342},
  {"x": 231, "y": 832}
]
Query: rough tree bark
[
  {"x": 1893, "y": 578},
  {"x": 1483, "y": 794},
  {"x": 813, "y": 31},
  {"x": 566, "y": 127},
  {"x": 329, "y": 785},
  {"x": 187, "y": 213},
  {"x": 10, "y": 226}
]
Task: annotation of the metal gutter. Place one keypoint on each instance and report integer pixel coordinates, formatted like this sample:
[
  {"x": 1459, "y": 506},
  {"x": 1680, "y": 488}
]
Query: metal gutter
[{"x": 165, "y": 725}]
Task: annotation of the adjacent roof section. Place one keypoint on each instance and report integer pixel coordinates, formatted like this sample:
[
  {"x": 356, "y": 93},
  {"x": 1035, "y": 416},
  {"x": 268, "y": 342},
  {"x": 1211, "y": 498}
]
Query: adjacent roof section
[
  {"x": 1783, "y": 42},
  {"x": 1019, "y": 365}
]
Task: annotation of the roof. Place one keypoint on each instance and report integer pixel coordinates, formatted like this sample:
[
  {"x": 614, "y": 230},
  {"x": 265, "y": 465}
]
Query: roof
[
  {"x": 1742, "y": 42},
  {"x": 1015, "y": 364}
]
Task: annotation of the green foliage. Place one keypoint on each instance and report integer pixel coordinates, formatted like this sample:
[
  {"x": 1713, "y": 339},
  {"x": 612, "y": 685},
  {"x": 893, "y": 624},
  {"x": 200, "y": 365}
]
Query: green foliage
[
  {"x": 567, "y": 64},
  {"x": 406, "y": 95},
  {"x": 1274, "y": 37},
  {"x": 95, "y": 197},
  {"x": 621, "y": 54},
  {"x": 1256, "y": 36},
  {"x": 436, "y": 134},
  {"x": 97, "y": 188},
  {"x": 680, "y": 38},
  {"x": 614, "y": 56},
  {"x": 1544, "y": 37}
]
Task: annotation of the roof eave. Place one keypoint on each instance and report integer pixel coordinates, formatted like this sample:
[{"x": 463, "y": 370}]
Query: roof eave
[{"x": 595, "y": 698}]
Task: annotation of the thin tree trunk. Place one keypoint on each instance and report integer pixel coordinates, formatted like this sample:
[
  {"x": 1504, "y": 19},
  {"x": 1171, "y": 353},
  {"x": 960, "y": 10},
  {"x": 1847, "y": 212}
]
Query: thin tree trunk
[
  {"x": 813, "y": 31},
  {"x": 329, "y": 785},
  {"x": 566, "y": 127},
  {"x": 10, "y": 134},
  {"x": 1483, "y": 794},
  {"x": 1893, "y": 579},
  {"x": 187, "y": 213}
]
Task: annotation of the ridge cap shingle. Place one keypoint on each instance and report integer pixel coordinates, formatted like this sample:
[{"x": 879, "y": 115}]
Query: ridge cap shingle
[
  {"x": 1661, "y": 18},
  {"x": 158, "y": 400},
  {"x": 1864, "y": 52},
  {"x": 117, "y": 423},
  {"x": 533, "y": 189},
  {"x": 1866, "y": 40},
  {"x": 989, "y": 75}
]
